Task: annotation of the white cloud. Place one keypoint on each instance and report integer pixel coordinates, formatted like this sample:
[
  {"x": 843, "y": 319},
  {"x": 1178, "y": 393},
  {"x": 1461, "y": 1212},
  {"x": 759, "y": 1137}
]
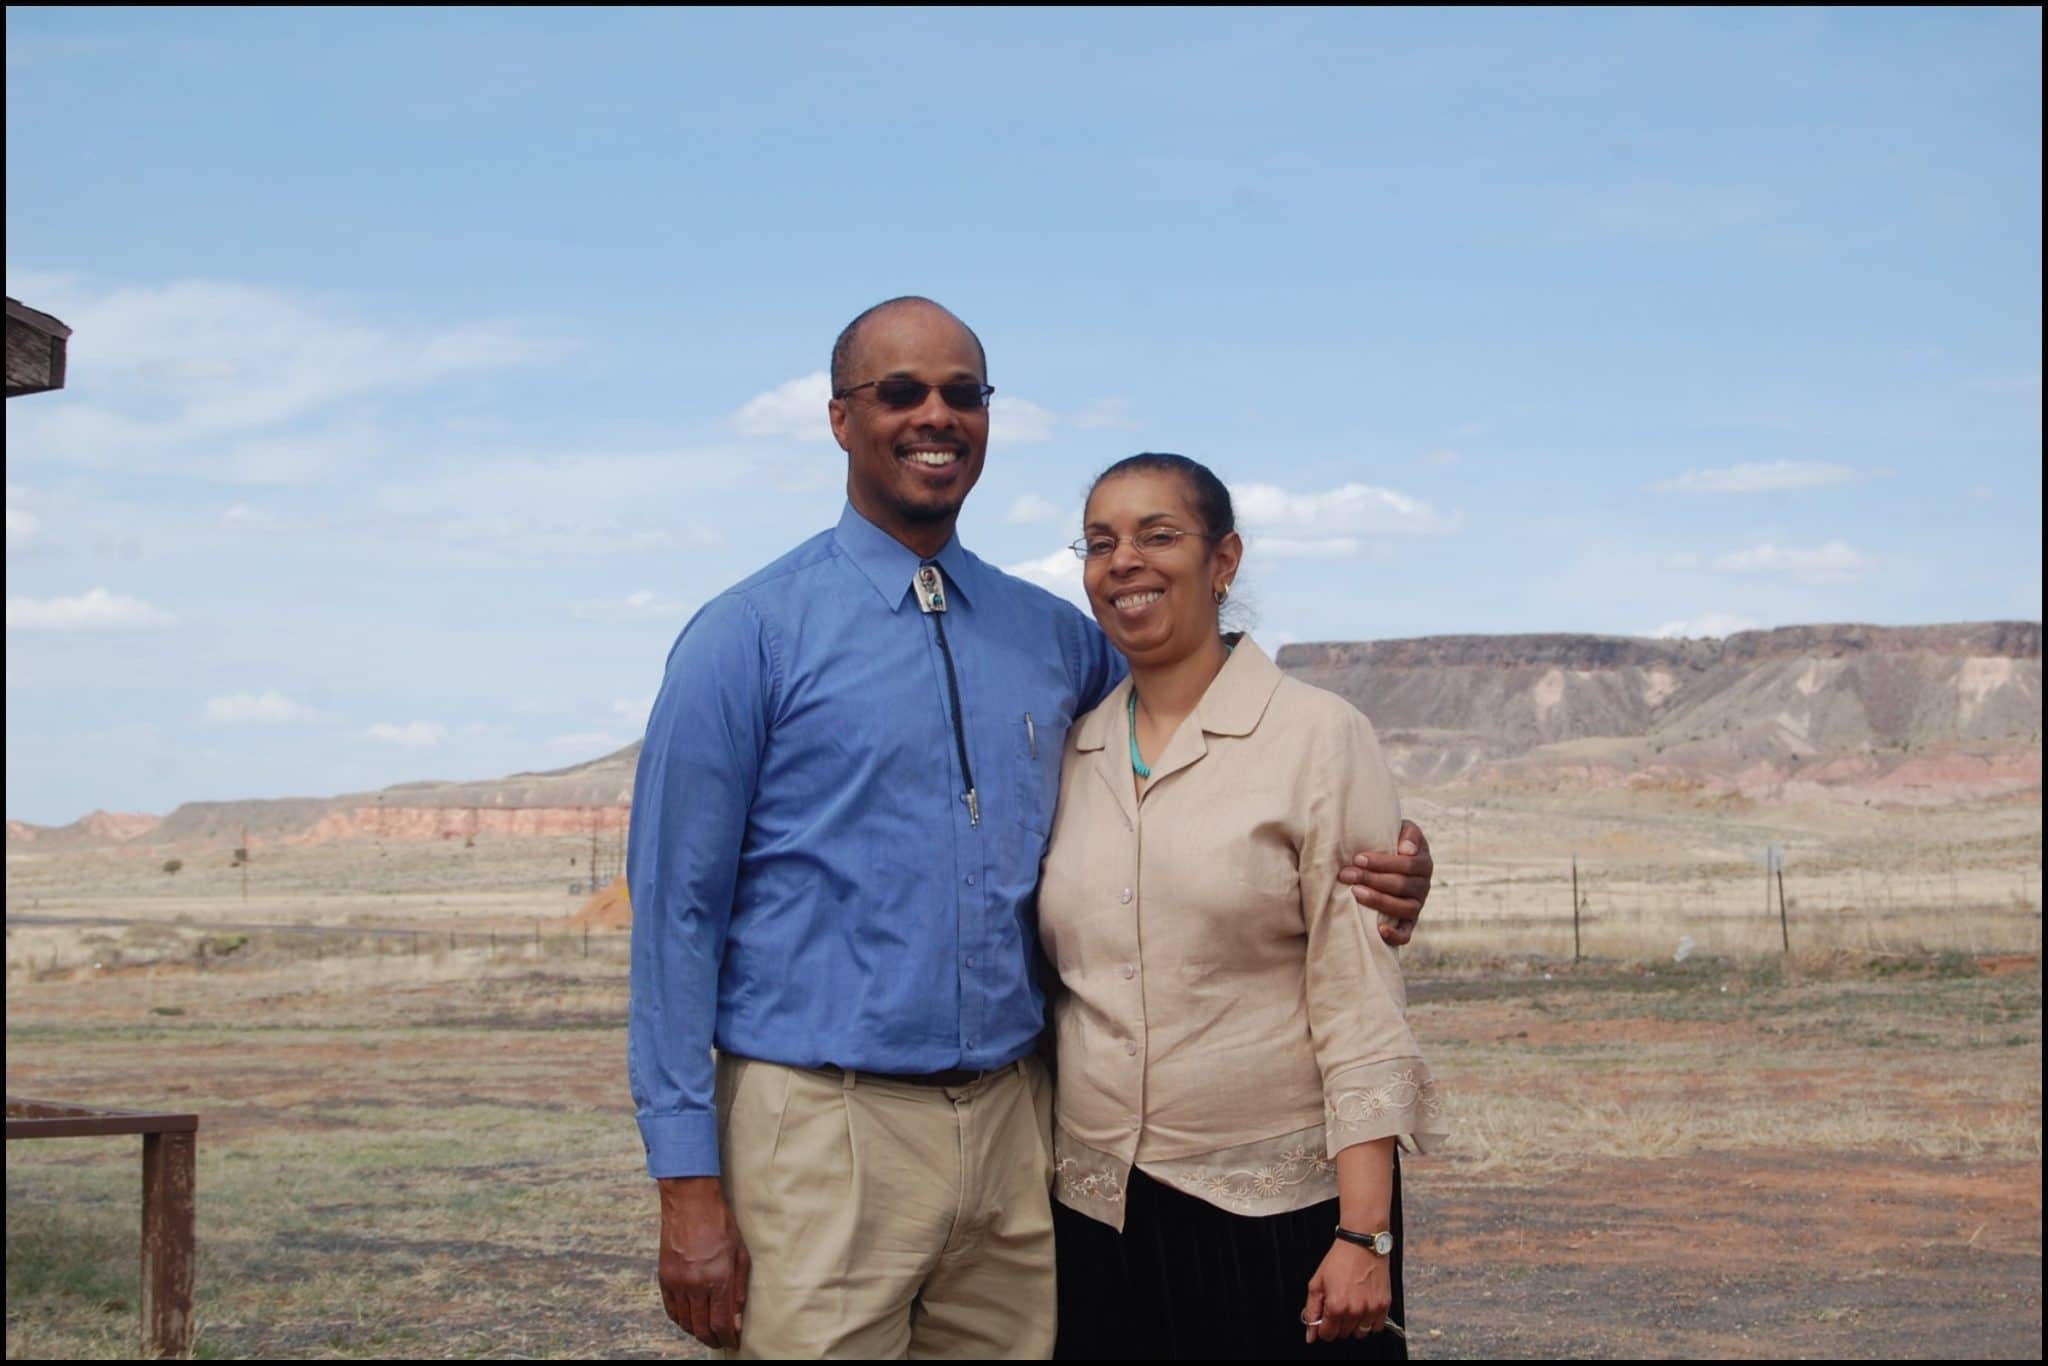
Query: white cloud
[
  {"x": 257, "y": 709},
  {"x": 94, "y": 610},
  {"x": 24, "y": 529},
  {"x": 641, "y": 605},
  {"x": 794, "y": 410},
  {"x": 1340, "y": 523},
  {"x": 1320, "y": 548},
  {"x": 1772, "y": 476},
  {"x": 1443, "y": 458},
  {"x": 1030, "y": 508},
  {"x": 183, "y": 368},
  {"x": 634, "y": 709},
  {"x": 1833, "y": 563},
  {"x": 1059, "y": 572},
  {"x": 587, "y": 740},
  {"x": 1018, "y": 421},
  {"x": 414, "y": 734},
  {"x": 242, "y": 515},
  {"x": 1713, "y": 625},
  {"x": 1109, "y": 414}
]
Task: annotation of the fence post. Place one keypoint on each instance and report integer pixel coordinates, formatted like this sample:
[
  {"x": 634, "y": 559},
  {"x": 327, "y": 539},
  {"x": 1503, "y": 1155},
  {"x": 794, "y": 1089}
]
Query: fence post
[
  {"x": 586, "y": 940},
  {"x": 1784, "y": 920},
  {"x": 167, "y": 1243},
  {"x": 1575, "y": 908}
]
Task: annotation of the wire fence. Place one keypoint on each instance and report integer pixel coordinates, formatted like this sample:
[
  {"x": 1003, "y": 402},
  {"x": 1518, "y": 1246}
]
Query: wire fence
[
  {"x": 1575, "y": 907},
  {"x": 55, "y": 945}
]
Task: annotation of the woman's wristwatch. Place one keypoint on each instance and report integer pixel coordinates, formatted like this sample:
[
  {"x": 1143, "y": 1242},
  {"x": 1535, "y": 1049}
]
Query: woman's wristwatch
[{"x": 1381, "y": 1242}]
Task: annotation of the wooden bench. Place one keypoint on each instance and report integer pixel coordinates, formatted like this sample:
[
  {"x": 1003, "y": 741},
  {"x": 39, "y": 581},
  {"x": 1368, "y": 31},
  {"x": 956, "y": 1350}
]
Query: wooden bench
[{"x": 168, "y": 1146}]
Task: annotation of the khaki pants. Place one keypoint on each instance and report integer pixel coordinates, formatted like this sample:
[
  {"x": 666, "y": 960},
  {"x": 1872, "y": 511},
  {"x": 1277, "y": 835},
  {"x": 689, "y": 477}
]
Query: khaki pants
[{"x": 887, "y": 1220}]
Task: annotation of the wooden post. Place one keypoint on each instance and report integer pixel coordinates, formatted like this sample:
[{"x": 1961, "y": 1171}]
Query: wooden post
[
  {"x": 167, "y": 1243},
  {"x": 1784, "y": 921},
  {"x": 1575, "y": 908},
  {"x": 586, "y": 941}
]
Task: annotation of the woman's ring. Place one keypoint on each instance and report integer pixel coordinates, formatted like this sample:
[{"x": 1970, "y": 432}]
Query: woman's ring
[{"x": 1311, "y": 1323}]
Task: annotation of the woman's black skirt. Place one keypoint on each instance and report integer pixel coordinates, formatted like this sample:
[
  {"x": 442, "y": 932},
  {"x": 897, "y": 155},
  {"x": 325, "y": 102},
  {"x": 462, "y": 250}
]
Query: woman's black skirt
[{"x": 1186, "y": 1280}]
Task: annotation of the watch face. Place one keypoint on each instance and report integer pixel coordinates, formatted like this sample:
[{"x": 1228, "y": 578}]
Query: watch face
[{"x": 1383, "y": 1243}]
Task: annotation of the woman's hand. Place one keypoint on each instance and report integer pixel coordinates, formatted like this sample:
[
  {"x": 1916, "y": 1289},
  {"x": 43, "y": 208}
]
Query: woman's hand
[{"x": 1351, "y": 1293}]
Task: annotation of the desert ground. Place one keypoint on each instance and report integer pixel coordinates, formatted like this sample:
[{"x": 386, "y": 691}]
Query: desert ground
[{"x": 408, "y": 1059}]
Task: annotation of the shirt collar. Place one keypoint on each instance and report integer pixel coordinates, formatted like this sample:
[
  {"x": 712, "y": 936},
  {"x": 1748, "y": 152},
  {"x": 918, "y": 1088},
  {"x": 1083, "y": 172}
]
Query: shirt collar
[
  {"x": 1237, "y": 698},
  {"x": 1233, "y": 705},
  {"x": 888, "y": 564}
]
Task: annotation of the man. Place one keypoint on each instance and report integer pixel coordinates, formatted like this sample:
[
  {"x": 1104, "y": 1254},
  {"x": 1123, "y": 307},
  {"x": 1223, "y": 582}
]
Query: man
[{"x": 837, "y": 823}]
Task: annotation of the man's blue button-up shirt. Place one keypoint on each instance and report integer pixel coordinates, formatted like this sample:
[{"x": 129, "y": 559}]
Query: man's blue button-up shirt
[{"x": 808, "y": 886}]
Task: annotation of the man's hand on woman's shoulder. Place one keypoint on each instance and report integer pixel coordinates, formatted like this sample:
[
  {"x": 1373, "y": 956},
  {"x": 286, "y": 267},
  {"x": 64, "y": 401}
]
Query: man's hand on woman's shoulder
[{"x": 1394, "y": 884}]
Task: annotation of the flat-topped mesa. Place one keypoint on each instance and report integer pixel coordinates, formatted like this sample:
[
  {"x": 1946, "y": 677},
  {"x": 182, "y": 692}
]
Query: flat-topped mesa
[
  {"x": 1508, "y": 652},
  {"x": 1978, "y": 639},
  {"x": 1847, "y": 707},
  {"x": 1983, "y": 639},
  {"x": 1852, "y": 712}
]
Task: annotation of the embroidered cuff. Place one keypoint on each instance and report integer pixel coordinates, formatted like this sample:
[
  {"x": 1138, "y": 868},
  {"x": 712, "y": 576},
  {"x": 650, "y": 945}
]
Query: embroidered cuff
[{"x": 1397, "y": 1096}]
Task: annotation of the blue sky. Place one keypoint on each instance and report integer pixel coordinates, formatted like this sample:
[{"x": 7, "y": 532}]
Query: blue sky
[{"x": 430, "y": 368}]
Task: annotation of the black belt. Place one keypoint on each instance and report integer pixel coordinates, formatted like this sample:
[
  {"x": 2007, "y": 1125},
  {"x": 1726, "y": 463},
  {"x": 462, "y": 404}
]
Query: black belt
[{"x": 957, "y": 1076}]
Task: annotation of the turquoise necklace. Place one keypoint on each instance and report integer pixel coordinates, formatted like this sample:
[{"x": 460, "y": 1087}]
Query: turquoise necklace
[{"x": 1138, "y": 765}]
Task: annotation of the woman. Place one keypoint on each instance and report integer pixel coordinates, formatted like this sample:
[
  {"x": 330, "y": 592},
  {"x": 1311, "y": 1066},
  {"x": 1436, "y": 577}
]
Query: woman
[{"x": 1234, "y": 1065}]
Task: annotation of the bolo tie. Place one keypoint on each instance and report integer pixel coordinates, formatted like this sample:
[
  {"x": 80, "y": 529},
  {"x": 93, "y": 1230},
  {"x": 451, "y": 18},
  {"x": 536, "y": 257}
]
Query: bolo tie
[{"x": 930, "y": 587}]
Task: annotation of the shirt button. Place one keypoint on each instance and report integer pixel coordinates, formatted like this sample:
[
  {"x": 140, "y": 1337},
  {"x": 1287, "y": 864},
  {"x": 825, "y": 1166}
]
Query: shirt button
[
  {"x": 970, "y": 960},
  {"x": 970, "y": 879},
  {"x": 1125, "y": 896},
  {"x": 1137, "y": 1123},
  {"x": 1131, "y": 1049},
  {"x": 1129, "y": 972}
]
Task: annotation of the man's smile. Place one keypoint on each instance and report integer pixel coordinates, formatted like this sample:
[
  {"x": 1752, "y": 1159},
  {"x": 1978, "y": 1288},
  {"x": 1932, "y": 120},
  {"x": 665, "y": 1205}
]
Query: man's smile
[{"x": 930, "y": 456}]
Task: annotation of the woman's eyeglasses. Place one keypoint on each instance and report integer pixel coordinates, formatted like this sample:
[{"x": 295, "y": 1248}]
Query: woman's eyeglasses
[
  {"x": 1155, "y": 540},
  {"x": 964, "y": 395}
]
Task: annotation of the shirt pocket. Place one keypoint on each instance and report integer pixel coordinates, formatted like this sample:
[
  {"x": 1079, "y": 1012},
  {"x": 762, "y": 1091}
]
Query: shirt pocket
[{"x": 1038, "y": 737}]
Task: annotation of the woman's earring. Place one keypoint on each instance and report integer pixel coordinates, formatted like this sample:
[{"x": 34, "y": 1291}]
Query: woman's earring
[{"x": 1221, "y": 594}]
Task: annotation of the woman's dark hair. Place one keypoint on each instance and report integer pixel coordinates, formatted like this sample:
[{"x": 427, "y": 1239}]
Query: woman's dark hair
[{"x": 1211, "y": 498}]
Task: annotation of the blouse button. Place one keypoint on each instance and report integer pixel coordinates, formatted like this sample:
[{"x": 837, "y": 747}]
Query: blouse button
[
  {"x": 1125, "y": 897},
  {"x": 1131, "y": 1049},
  {"x": 1129, "y": 972}
]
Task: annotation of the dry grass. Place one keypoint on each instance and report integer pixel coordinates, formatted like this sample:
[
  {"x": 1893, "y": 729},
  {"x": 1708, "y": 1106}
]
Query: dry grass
[
  {"x": 412, "y": 1147},
  {"x": 399, "y": 1158}
]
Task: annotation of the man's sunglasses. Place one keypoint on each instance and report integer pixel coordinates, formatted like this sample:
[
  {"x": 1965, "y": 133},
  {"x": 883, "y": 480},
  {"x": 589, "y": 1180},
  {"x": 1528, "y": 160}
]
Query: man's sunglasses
[{"x": 962, "y": 395}]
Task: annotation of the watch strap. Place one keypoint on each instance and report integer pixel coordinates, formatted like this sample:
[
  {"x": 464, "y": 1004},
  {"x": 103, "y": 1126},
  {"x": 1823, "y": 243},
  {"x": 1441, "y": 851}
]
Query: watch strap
[{"x": 1369, "y": 1241}]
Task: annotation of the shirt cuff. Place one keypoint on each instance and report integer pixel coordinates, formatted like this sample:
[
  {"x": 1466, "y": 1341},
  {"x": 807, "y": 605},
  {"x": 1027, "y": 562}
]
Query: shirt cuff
[{"x": 680, "y": 1145}]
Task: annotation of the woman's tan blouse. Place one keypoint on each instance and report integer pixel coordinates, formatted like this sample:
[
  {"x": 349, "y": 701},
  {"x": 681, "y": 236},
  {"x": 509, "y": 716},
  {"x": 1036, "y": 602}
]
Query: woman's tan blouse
[{"x": 1227, "y": 1017}]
